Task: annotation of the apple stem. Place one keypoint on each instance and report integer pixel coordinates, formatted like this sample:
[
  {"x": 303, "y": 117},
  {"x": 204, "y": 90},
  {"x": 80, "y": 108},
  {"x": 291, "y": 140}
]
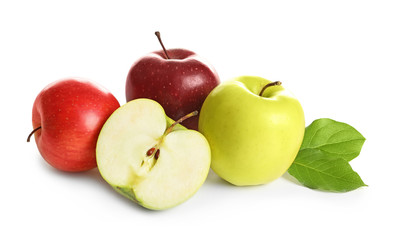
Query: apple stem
[
  {"x": 157, "y": 33},
  {"x": 277, "y": 83},
  {"x": 31, "y": 134},
  {"x": 192, "y": 114},
  {"x": 155, "y": 150}
]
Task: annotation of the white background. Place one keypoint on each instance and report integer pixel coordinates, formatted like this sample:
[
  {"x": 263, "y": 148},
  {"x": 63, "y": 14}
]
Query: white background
[{"x": 337, "y": 57}]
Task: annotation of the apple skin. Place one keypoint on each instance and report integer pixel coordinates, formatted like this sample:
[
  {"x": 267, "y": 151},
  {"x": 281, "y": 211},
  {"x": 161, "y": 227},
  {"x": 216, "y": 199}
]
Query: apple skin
[
  {"x": 253, "y": 139},
  {"x": 180, "y": 84},
  {"x": 71, "y": 113}
]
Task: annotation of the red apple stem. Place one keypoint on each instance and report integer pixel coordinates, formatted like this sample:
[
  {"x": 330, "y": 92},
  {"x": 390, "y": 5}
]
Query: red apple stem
[
  {"x": 277, "y": 83},
  {"x": 157, "y": 33},
  {"x": 31, "y": 134}
]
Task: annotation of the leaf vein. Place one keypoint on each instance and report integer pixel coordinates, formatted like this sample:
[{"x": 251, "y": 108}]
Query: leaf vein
[{"x": 324, "y": 173}]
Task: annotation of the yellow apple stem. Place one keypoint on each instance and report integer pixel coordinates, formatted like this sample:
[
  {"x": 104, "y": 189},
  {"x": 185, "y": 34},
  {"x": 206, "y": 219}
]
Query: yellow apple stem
[
  {"x": 31, "y": 134},
  {"x": 157, "y": 33},
  {"x": 277, "y": 83}
]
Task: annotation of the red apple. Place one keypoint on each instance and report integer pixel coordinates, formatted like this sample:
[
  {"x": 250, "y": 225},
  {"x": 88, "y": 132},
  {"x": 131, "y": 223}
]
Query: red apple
[
  {"x": 178, "y": 79},
  {"x": 67, "y": 118}
]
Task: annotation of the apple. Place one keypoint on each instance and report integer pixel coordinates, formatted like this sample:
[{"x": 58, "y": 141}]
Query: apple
[
  {"x": 149, "y": 158},
  {"x": 254, "y": 127},
  {"x": 178, "y": 79},
  {"x": 67, "y": 117}
]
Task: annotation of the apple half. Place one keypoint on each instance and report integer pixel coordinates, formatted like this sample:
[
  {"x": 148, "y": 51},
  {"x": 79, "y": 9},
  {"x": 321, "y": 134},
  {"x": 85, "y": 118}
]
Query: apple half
[{"x": 149, "y": 158}]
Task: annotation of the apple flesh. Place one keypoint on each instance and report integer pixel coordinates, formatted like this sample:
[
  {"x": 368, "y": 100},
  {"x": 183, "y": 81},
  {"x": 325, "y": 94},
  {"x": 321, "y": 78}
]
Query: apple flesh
[
  {"x": 67, "y": 117},
  {"x": 254, "y": 138},
  {"x": 146, "y": 158},
  {"x": 178, "y": 79}
]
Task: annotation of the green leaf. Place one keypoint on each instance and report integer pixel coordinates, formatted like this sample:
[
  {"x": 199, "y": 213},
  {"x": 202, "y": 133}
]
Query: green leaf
[
  {"x": 323, "y": 160},
  {"x": 333, "y": 138},
  {"x": 318, "y": 170}
]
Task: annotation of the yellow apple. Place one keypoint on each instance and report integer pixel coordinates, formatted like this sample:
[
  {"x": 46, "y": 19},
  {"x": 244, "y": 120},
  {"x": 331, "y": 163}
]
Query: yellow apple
[{"x": 254, "y": 128}]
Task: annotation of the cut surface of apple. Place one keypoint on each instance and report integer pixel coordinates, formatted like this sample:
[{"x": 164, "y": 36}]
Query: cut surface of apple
[{"x": 147, "y": 159}]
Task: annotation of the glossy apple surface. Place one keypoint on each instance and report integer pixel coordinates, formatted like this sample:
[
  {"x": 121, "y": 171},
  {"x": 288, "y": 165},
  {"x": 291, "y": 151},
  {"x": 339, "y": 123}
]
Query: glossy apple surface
[
  {"x": 147, "y": 160},
  {"x": 71, "y": 113},
  {"x": 254, "y": 139},
  {"x": 180, "y": 84}
]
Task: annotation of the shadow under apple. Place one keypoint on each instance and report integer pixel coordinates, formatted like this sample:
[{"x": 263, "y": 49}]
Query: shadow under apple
[{"x": 92, "y": 178}]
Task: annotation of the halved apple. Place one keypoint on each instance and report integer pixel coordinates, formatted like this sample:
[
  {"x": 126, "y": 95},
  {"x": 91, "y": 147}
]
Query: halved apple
[{"x": 149, "y": 158}]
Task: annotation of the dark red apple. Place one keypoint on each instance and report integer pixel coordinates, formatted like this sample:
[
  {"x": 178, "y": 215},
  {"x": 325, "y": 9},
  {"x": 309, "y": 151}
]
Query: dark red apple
[
  {"x": 67, "y": 118},
  {"x": 178, "y": 79}
]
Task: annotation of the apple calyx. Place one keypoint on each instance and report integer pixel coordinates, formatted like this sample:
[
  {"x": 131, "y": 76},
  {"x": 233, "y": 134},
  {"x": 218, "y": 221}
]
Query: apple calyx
[
  {"x": 157, "y": 33},
  {"x": 277, "y": 83},
  {"x": 155, "y": 150},
  {"x": 31, "y": 134}
]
